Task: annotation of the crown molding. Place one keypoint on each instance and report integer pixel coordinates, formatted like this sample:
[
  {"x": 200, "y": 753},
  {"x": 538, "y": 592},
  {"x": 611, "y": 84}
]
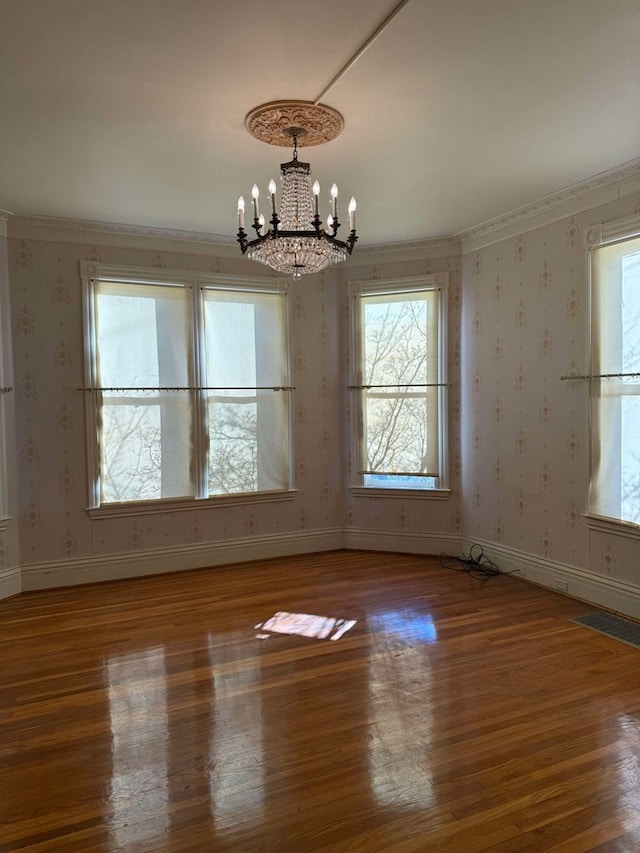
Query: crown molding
[
  {"x": 4, "y": 220},
  {"x": 604, "y": 187},
  {"x": 56, "y": 229},
  {"x": 120, "y": 228},
  {"x": 410, "y": 250},
  {"x": 608, "y": 186}
]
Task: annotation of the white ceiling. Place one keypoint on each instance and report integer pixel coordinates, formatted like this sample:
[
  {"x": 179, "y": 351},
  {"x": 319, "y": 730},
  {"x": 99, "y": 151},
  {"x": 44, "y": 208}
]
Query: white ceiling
[{"x": 132, "y": 111}]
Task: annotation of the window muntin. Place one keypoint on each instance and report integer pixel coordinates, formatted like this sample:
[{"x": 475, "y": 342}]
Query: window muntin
[
  {"x": 400, "y": 382},
  {"x": 615, "y": 383},
  {"x": 199, "y": 405}
]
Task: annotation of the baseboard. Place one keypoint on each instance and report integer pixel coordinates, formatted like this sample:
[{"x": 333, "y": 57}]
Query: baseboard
[
  {"x": 599, "y": 590},
  {"x": 10, "y": 582},
  {"x": 602, "y": 591},
  {"x": 133, "y": 564},
  {"x": 402, "y": 541}
]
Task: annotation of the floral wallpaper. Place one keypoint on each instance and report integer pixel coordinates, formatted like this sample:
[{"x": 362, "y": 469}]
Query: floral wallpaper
[
  {"x": 525, "y": 439},
  {"x": 518, "y": 432}
]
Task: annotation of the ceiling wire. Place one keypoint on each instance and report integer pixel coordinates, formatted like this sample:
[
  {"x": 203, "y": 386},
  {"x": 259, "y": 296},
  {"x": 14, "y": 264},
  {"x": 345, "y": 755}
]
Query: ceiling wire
[{"x": 356, "y": 56}]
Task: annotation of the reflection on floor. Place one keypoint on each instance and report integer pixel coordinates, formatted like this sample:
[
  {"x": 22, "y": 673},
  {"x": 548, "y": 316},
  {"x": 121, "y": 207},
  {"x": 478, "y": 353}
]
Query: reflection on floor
[{"x": 144, "y": 716}]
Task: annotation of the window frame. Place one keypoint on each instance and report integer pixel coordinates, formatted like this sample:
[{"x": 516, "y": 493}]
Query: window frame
[
  {"x": 196, "y": 283},
  {"x": 599, "y": 237},
  {"x": 356, "y": 289}
]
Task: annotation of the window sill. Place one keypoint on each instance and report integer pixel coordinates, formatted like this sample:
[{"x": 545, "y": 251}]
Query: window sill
[
  {"x": 612, "y": 526},
  {"x": 122, "y": 510},
  {"x": 407, "y": 494}
]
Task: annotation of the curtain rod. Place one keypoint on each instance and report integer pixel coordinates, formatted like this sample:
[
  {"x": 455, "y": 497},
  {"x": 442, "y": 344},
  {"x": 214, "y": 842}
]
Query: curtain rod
[
  {"x": 400, "y": 385},
  {"x": 190, "y": 388},
  {"x": 586, "y": 376}
]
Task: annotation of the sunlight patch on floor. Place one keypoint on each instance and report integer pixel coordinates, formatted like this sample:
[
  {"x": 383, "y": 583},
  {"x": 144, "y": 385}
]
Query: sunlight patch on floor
[{"x": 305, "y": 625}]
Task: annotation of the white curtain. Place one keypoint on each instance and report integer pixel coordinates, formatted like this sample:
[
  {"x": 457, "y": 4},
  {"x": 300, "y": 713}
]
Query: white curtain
[
  {"x": 245, "y": 356},
  {"x": 615, "y": 402},
  {"x": 142, "y": 340}
]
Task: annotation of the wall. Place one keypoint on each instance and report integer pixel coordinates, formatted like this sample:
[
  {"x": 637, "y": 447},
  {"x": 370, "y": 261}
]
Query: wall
[
  {"x": 59, "y": 542},
  {"x": 518, "y": 433},
  {"x": 525, "y": 437}
]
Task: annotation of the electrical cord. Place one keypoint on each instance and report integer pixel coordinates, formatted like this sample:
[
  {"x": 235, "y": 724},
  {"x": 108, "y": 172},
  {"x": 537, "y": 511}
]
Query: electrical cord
[{"x": 476, "y": 564}]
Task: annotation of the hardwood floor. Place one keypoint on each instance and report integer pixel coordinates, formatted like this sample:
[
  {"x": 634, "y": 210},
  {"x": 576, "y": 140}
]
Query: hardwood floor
[{"x": 153, "y": 715}]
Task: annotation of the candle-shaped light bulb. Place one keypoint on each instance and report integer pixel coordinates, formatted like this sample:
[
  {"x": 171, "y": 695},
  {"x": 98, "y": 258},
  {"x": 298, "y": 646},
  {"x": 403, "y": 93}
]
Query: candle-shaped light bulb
[
  {"x": 261, "y": 221},
  {"x": 272, "y": 190},
  {"x": 352, "y": 214},
  {"x": 334, "y": 201},
  {"x": 330, "y": 221},
  {"x": 241, "y": 212},
  {"x": 316, "y": 196},
  {"x": 255, "y": 192}
]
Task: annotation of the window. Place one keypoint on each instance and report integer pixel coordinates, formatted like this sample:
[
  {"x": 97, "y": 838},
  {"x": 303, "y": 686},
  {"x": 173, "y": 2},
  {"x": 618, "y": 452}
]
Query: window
[
  {"x": 189, "y": 387},
  {"x": 399, "y": 382},
  {"x": 615, "y": 372}
]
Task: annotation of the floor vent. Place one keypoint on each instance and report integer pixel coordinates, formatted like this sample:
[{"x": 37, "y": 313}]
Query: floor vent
[{"x": 612, "y": 626}]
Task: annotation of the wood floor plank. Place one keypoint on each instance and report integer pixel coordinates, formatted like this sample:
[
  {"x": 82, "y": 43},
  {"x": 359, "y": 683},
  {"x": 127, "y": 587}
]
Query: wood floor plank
[{"x": 167, "y": 715}]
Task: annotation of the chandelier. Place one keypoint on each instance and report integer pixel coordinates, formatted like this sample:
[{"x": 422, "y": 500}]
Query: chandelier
[{"x": 296, "y": 242}]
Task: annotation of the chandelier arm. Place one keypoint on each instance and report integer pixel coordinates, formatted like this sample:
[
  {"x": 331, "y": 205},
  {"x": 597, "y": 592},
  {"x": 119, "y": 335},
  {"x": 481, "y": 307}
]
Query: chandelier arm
[
  {"x": 242, "y": 239},
  {"x": 261, "y": 238},
  {"x": 313, "y": 235},
  {"x": 343, "y": 244},
  {"x": 351, "y": 240}
]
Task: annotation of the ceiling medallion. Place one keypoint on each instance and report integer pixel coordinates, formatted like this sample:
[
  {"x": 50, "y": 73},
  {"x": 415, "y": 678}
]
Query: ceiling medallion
[
  {"x": 272, "y": 122},
  {"x": 296, "y": 243}
]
